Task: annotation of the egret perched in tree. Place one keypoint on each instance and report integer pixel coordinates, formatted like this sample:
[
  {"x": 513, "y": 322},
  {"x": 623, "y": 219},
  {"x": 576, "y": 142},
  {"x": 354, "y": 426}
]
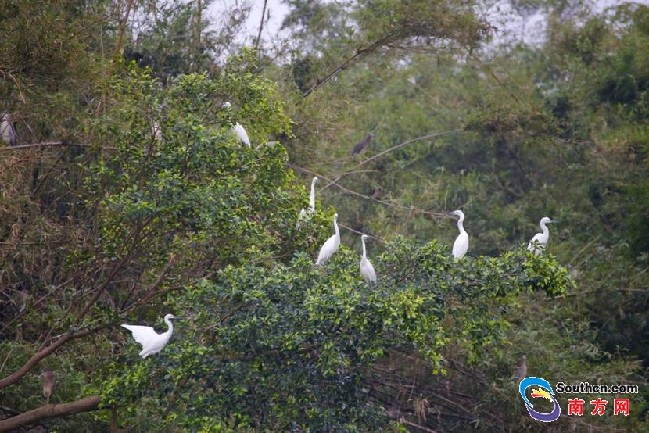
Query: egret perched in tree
[
  {"x": 7, "y": 130},
  {"x": 238, "y": 129},
  {"x": 540, "y": 240},
  {"x": 151, "y": 341},
  {"x": 304, "y": 213},
  {"x": 461, "y": 245},
  {"x": 361, "y": 145},
  {"x": 331, "y": 246},
  {"x": 48, "y": 380},
  {"x": 367, "y": 270}
]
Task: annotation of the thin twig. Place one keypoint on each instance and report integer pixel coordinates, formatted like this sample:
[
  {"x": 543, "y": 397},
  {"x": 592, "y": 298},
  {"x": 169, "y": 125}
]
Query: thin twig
[
  {"x": 410, "y": 209},
  {"x": 398, "y": 146},
  {"x": 360, "y": 53}
]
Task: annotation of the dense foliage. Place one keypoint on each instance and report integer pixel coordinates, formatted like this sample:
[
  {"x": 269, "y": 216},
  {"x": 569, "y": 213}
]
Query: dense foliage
[{"x": 130, "y": 197}]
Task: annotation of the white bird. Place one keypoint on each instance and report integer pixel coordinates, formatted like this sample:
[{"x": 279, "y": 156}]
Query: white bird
[
  {"x": 151, "y": 341},
  {"x": 238, "y": 129},
  {"x": 540, "y": 240},
  {"x": 241, "y": 134},
  {"x": 304, "y": 213},
  {"x": 367, "y": 270},
  {"x": 331, "y": 246},
  {"x": 461, "y": 245},
  {"x": 7, "y": 130}
]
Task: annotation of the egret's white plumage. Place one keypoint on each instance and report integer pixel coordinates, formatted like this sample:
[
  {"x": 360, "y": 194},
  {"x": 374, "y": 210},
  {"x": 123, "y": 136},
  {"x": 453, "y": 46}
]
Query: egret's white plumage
[
  {"x": 461, "y": 245},
  {"x": 540, "y": 240},
  {"x": 238, "y": 129},
  {"x": 151, "y": 341},
  {"x": 241, "y": 134},
  {"x": 367, "y": 270},
  {"x": 7, "y": 131},
  {"x": 330, "y": 246},
  {"x": 305, "y": 213}
]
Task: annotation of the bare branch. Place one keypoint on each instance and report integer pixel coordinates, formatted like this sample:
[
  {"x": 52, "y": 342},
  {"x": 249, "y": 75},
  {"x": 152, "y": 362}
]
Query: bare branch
[
  {"x": 261, "y": 26},
  {"x": 50, "y": 411},
  {"x": 43, "y": 353},
  {"x": 410, "y": 209},
  {"x": 360, "y": 53}
]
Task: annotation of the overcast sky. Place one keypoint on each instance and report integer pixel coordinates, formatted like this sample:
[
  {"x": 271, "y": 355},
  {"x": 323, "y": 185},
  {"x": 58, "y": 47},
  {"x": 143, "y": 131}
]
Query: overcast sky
[{"x": 509, "y": 23}]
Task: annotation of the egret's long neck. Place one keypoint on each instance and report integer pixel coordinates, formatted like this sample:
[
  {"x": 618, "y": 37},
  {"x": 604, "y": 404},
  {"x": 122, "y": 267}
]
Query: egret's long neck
[
  {"x": 312, "y": 196},
  {"x": 336, "y": 231},
  {"x": 460, "y": 225},
  {"x": 364, "y": 252},
  {"x": 170, "y": 327},
  {"x": 544, "y": 229}
]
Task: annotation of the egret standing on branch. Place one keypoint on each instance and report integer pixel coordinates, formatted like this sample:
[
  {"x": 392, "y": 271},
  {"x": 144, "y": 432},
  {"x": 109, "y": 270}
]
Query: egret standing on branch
[
  {"x": 151, "y": 341},
  {"x": 461, "y": 245},
  {"x": 238, "y": 129},
  {"x": 367, "y": 270},
  {"x": 331, "y": 246},
  {"x": 304, "y": 213},
  {"x": 361, "y": 145},
  {"x": 7, "y": 130},
  {"x": 540, "y": 240}
]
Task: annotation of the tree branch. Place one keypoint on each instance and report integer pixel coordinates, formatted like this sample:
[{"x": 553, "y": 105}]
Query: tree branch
[
  {"x": 43, "y": 353},
  {"x": 122, "y": 28},
  {"x": 360, "y": 53},
  {"x": 261, "y": 27},
  {"x": 50, "y": 411}
]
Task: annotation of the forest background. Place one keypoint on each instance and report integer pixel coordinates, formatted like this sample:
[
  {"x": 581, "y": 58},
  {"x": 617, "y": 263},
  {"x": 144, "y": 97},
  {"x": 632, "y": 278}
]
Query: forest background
[{"x": 127, "y": 197}]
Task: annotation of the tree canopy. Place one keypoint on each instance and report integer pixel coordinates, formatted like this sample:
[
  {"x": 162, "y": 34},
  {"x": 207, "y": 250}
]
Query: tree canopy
[{"x": 128, "y": 196}]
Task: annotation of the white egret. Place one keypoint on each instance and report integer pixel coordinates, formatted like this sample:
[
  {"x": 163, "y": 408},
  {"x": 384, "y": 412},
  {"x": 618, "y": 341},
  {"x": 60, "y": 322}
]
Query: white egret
[
  {"x": 241, "y": 134},
  {"x": 238, "y": 129},
  {"x": 367, "y": 270},
  {"x": 7, "y": 130},
  {"x": 305, "y": 213},
  {"x": 540, "y": 240},
  {"x": 331, "y": 246},
  {"x": 151, "y": 341},
  {"x": 461, "y": 245}
]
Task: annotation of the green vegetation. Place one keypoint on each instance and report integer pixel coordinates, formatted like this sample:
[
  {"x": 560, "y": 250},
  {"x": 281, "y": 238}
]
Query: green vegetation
[{"x": 128, "y": 197}]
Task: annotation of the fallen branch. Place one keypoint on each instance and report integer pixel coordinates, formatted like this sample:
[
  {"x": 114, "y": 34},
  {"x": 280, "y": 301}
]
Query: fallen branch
[{"x": 50, "y": 411}]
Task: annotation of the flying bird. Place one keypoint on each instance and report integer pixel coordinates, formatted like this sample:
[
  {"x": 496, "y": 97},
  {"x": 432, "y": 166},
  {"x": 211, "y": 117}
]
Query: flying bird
[
  {"x": 367, "y": 270},
  {"x": 305, "y": 213},
  {"x": 540, "y": 240},
  {"x": 361, "y": 145},
  {"x": 151, "y": 341},
  {"x": 330, "y": 246},
  {"x": 7, "y": 130},
  {"x": 48, "y": 380},
  {"x": 461, "y": 245}
]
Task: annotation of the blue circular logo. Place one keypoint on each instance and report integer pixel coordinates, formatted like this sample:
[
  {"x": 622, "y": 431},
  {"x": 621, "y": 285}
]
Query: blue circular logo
[{"x": 543, "y": 390}]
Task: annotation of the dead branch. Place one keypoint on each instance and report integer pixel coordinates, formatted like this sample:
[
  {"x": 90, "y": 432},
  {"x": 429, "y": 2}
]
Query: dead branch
[
  {"x": 43, "y": 353},
  {"x": 50, "y": 411}
]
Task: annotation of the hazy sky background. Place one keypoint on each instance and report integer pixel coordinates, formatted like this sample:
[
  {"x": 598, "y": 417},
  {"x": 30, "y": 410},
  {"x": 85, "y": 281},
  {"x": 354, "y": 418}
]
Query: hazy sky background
[{"x": 511, "y": 26}]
